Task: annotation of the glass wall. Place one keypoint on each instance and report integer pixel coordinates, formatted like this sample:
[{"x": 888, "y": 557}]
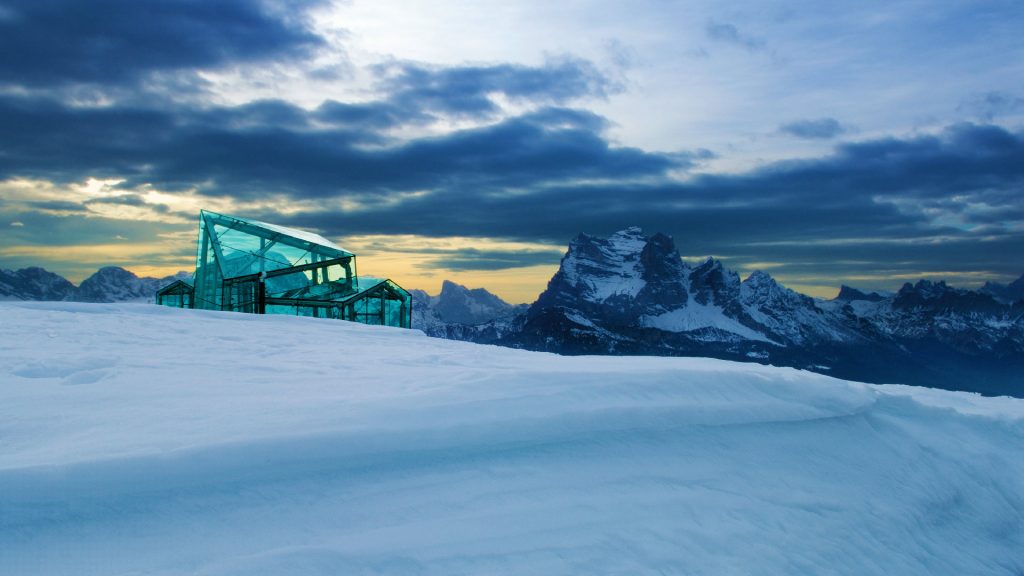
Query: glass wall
[
  {"x": 250, "y": 266},
  {"x": 178, "y": 294}
]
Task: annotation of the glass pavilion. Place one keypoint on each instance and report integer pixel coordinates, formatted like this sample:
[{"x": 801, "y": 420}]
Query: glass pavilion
[{"x": 249, "y": 266}]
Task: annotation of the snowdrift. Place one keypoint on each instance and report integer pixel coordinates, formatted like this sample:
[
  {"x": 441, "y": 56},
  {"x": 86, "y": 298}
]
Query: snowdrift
[{"x": 138, "y": 439}]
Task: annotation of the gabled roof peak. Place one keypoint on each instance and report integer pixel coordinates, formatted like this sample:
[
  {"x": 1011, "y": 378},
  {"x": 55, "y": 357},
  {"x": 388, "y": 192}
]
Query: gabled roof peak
[{"x": 276, "y": 230}]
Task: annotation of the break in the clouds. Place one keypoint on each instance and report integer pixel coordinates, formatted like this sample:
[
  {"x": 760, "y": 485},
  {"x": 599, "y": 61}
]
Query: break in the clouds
[
  {"x": 523, "y": 136},
  {"x": 819, "y": 128}
]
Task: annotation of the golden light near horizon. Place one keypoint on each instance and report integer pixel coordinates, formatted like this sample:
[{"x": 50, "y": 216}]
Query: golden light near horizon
[
  {"x": 162, "y": 257},
  {"x": 417, "y": 262}
]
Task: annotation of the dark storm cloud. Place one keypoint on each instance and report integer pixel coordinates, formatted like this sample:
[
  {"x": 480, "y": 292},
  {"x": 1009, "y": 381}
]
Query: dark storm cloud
[
  {"x": 269, "y": 149},
  {"x": 817, "y": 129},
  {"x": 913, "y": 201},
  {"x": 543, "y": 175},
  {"x": 468, "y": 90},
  {"x": 371, "y": 116},
  {"x": 57, "y": 206},
  {"x": 134, "y": 200},
  {"x": 58, "y": 42}
]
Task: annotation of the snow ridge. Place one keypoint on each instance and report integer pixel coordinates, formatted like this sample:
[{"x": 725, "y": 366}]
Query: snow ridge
[{"x": 429, "y": 456}]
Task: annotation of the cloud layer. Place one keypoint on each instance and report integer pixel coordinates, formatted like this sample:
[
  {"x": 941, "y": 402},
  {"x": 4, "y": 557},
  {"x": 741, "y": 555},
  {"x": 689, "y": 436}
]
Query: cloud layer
[
  {"x": 63, "y": 42},
  {"x": 480, "y": 150}
]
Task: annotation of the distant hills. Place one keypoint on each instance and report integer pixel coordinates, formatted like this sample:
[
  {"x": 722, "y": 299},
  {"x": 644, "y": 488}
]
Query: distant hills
[{"x": 108, "y": 284}]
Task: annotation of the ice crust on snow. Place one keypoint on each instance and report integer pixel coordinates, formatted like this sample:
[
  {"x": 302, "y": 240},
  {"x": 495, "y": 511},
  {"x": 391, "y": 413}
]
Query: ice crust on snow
[{"x": 140, "y": 439}]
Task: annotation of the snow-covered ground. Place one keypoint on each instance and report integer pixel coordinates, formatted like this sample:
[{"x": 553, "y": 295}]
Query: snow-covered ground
[{"x": 146, "y": 440}]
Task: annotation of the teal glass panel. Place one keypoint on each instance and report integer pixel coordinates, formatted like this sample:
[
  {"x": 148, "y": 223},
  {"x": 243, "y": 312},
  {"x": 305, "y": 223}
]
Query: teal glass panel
[
  {"x": 208, "y": 277},
  {"x": 300, "y": 273},
  {"x": 328, "y": 282},
  {"x": 177, "y": 294}
]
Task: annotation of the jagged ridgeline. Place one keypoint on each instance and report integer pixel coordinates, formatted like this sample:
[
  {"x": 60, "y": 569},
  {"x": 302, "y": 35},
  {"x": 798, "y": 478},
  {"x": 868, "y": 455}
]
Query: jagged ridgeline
[
  {"x": 633, "y": 294},
  {"x": 108, "y": 284}
]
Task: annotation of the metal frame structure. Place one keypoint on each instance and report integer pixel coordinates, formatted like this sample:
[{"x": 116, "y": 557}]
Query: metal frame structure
[
  {"x": 249, "y": 266},
  {"x": 177, "y": 294}
]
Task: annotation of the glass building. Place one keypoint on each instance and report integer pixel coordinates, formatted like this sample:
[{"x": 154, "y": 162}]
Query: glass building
[
  {"x": 249, "y": 266},
  {"x": 177, "y": 294}
]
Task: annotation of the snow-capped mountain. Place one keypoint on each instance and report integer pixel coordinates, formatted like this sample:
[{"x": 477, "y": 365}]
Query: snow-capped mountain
[
  {"x": 849, "y": 294},
  {"x": 115, "y": 284},
  {"x": 633, "y": 294},
  {"x": 34, "y": 284},
  {"x": 108, "y": 284},
  {"x": 965, "y": 320},
  {"x": 458, "y": 304}
]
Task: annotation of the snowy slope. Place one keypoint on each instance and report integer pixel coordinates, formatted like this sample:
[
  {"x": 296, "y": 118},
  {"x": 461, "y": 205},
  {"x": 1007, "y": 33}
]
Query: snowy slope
[{"x": 147, "y": 440}]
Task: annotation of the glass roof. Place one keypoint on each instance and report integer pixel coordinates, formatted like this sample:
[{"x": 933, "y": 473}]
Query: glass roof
[{"x": 280, "y": 234}]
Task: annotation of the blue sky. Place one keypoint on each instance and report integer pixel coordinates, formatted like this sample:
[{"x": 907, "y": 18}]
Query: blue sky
[{"x": 867, "y": 143}]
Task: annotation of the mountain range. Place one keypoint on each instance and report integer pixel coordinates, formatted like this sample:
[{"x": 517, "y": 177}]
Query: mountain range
[
  {"x": 632, "y": 294},
  {"x": 108, "y": 284}
]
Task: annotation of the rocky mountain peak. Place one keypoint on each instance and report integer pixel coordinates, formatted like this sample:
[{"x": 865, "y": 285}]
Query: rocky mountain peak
[
  {"x": 34, "y": 283},
  {"x": 1006, "y": 293},
  {"x": 596, "y": 269},
  {"x": 664, "y": 278},
  {"x": 925, "y": 289},
  {"x": 660, "y": 260},
  {"x": 937, "y": 297},
  {"x": 711, "y": 283},
  {"x": 850, "y": 294},
  {"x": 461, "y": 305},
  {"x": 108, "y": 284},
  {"x": 760, "y": 278},
  {"x": 761, "y": 286}
]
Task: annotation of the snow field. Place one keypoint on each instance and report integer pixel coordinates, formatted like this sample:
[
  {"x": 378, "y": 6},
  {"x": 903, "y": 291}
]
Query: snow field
[{"x": 144, "y": 440}]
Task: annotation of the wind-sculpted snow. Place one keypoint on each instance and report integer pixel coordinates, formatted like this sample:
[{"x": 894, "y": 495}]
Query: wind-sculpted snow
[{"x": 139, "y": 439}]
